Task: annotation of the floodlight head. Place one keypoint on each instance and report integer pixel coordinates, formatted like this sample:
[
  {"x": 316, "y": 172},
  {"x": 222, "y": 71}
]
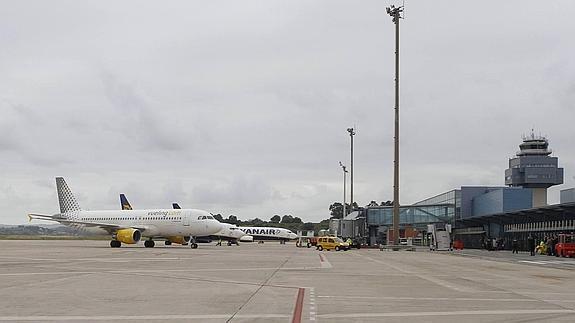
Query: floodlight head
[{"x": 394, "y": 12}]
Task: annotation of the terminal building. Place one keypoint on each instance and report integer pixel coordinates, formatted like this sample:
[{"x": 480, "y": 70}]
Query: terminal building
[{"x": 483, "y": 213}]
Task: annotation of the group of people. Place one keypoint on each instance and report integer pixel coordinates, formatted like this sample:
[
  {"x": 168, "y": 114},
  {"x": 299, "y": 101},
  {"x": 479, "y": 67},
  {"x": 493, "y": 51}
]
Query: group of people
[
  {"x": 492, "y": 244},
  {"x": 546, "y": 246}
]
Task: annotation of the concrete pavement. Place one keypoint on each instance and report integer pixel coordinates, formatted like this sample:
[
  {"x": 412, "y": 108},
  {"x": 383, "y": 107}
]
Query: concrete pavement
[{"x": 84, "y": 281}]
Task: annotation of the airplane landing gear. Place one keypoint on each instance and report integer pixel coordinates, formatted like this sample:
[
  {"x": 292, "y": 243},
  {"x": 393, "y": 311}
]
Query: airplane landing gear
[
  {"x": 115, "y": 244},
  {"x": 193, "y": 243},
  {"x": 149, "y": 243}
]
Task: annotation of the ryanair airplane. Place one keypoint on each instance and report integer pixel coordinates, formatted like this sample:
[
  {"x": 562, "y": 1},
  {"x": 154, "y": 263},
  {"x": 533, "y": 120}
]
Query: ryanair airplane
[
  {"x": 268, "y": 233},
  {"x": 129, "y": 226}
]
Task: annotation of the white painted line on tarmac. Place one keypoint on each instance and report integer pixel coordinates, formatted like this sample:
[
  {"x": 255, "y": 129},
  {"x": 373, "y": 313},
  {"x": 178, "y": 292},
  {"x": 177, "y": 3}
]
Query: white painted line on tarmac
[
  {"x": 125, "y": 259},
  {"x": 451, "y": 299},
  {"x": 445, "y": 313},
  {"x": 138, "y": 317},
  {"x": 533, "y": 262},
  {"x": 312, "y": 306},
  {"x": 323, "y": 261},
  {"x": 153, "y": 271},
  {"x": 549, "y": 262}
]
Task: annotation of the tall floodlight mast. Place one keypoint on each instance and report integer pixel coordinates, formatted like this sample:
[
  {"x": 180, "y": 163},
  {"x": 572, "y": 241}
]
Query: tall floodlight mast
[
  {"x": 395, "y": 13},
  {"x": 351, "y": 134},
  {"x": 344, "y": 210}
]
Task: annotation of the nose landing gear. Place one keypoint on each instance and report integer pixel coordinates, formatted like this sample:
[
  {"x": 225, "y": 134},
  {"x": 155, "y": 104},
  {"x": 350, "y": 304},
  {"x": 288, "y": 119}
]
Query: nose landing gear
[{"x": 193, "y": 243}]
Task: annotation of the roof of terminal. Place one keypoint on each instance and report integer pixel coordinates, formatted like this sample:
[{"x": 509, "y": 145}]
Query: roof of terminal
[{"x": 544, "y": 213}]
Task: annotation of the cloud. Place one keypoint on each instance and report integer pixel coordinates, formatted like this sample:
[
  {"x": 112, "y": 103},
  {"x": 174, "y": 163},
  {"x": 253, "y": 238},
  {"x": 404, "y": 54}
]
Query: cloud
[
  {"x": 136, "y": 119},
  {"x": 242, "y": 108},
  {"x": 235, "y": 192}
]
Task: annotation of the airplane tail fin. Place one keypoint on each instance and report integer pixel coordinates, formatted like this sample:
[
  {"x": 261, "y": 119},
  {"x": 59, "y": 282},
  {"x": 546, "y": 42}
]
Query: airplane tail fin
[
  {"x": 66, "y": 199},
  {"x": 124, "y": 202},
  {"x": 176, "y": 206}
]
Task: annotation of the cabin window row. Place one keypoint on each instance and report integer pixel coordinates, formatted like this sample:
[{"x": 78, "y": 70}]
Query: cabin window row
[{"x": 135, "y": 218}]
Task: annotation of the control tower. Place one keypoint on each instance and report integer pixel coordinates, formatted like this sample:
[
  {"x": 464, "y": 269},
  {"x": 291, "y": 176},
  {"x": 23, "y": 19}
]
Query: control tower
[{"x": 533, "y": 168}]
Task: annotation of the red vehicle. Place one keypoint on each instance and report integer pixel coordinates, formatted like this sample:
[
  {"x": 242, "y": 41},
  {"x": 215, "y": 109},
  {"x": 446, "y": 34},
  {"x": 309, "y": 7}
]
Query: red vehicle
[
  {"x": 566, "y": 245},
  {"x": 311, "y": 241}
]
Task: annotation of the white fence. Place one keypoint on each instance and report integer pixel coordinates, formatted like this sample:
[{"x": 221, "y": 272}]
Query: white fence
[{"x": 565, "y": 225}]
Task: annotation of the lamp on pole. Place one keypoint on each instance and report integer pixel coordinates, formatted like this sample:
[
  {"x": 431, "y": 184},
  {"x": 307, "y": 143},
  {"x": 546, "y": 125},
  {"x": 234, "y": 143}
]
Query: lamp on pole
[
  {"x": 344, "y": 182},
  {"x": 395, "y": 13},
  {"x": 351, "y": 134}
]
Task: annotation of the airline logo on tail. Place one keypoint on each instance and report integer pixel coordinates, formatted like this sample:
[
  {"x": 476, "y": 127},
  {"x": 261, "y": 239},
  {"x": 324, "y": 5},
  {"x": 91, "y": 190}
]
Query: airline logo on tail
[{"x": 124, "y": 202}]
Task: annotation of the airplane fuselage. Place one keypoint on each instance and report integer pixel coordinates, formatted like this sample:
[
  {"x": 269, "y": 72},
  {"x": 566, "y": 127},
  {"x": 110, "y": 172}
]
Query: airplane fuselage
[
  {"x": 154, "y": 222},
  {"x": 269, "y": 233}
]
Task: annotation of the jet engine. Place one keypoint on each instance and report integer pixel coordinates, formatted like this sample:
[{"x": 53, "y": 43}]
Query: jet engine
[
  {"x": 247, "y": 238},
  {"x": 179, "y": 239},
  {"x": 129, "y": 236}
]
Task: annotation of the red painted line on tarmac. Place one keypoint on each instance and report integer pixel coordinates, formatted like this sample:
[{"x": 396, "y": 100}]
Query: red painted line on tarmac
[{"x": 298, "y": 306}]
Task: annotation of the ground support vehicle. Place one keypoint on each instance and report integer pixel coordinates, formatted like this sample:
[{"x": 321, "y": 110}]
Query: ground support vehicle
[
  {"x": 566, "y": 245},
  {"x": 331, "y": 243}
]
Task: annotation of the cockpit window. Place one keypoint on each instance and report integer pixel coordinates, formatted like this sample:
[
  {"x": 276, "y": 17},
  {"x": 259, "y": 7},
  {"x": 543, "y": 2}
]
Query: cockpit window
[
  {"x": 202, "y": 217},
  {"x": 210, "y": 217}
]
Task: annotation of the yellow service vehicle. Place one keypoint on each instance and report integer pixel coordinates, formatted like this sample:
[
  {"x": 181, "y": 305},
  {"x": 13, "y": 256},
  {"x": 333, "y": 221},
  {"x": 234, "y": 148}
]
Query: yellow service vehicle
[{"x": 330, "y": 243}]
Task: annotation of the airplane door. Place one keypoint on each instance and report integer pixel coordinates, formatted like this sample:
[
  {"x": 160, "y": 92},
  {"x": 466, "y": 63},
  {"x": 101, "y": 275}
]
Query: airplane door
[{"x": 186, "y": 219}]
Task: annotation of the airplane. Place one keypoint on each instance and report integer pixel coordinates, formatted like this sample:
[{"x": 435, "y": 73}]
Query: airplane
[
  {"x": 183, "y": 240},
  {"x": 269, "y": 233},
  {"x": 229, "y": 232},
  {"x": 129, "y": 226}
]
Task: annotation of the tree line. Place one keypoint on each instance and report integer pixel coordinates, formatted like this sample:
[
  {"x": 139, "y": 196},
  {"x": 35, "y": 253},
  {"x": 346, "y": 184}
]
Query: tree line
[
  {"x": 286, "y": 221},
  {"x": 336, "y": 208}
]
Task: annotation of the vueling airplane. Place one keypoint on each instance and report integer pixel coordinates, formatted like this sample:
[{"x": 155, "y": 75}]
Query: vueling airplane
[
  {"x": 228, "y": 232},
  {"x": 129, "y": 226}
]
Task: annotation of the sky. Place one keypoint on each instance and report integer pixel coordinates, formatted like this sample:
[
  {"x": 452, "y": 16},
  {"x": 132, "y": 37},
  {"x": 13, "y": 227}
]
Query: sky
[{"x": 241, "y": 107}]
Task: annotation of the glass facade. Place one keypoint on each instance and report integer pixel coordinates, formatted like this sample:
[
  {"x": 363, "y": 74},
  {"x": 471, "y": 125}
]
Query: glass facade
[
  {"x": 415, "y": 215},
  {"x": 452, "y": 197}
]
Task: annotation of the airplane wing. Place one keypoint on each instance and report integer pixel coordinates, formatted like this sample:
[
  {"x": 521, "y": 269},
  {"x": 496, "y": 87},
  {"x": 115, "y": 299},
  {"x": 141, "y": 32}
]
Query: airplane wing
[{"x": 106, "y": 226}]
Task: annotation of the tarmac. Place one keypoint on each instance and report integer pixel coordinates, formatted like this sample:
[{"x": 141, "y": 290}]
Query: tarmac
[{"x": 87, "y": 281}]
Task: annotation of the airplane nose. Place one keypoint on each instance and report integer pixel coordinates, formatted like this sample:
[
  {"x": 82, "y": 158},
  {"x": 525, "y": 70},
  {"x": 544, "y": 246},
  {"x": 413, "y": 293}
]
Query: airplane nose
[{"x": 215, "y": 226}]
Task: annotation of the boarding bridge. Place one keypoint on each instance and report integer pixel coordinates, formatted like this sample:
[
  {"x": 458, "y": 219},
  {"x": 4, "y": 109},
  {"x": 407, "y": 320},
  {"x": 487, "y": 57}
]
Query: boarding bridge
[{"x": 440, "y": 237}]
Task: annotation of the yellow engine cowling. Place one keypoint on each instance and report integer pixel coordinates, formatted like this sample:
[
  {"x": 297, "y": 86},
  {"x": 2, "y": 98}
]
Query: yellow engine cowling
[
  {"x": 129, "y": 236},
  {"x": 179, "y": 239}
]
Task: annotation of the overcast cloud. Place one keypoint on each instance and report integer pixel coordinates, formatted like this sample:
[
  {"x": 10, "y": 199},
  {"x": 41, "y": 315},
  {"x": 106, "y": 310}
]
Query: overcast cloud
[{"x": 241, "y": 107}]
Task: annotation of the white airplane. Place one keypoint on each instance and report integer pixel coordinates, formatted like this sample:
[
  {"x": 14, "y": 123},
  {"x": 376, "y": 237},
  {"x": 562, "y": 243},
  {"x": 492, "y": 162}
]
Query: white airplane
[
  {"x": 268, "y": 233},
  {"x": 230, "y": 232},
  {"x": 129, "y": 226}
]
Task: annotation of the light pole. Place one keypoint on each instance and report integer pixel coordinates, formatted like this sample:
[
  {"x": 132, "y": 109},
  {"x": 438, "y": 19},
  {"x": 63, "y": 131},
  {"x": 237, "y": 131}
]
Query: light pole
[
  {"x": 395, "y": 12},
  {"x": 344, "y": 181},
  {"x": 351, "y": 134}
]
